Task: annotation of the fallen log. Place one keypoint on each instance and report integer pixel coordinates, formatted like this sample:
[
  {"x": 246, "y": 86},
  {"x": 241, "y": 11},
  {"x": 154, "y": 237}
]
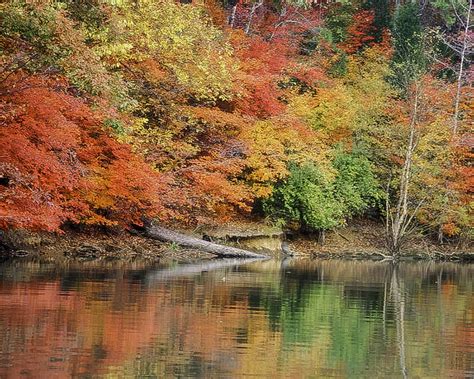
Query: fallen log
[{"x": 163, "y": 234}]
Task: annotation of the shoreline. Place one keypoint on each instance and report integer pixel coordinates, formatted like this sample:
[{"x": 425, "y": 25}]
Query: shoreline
[
  {"x": 356, "y": 242},
  {"x": 95, "y": 246}
]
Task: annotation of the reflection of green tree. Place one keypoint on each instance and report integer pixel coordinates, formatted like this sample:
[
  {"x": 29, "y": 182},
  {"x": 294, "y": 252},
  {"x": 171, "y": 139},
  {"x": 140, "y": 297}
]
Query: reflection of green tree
[
  {"x": 337, "y": 324},
  {"x": 356, "y": 322},
  {"x": 350, "y": 322},
  {"x": 318, "y": 313}
]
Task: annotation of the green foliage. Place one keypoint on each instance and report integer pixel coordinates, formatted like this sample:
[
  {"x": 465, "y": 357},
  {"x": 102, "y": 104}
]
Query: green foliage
[
  {"x": 449, "y": 8},
  {"x": 338, "y": 19},
  {"x": 34, "y": 26},
  {"x": 382, "y": 15},
  {"x": 355, "y": 185},
  {"x": 315, "y": 200},
  {"x": 90, "y": 13},
  {"x": 306, "y": 197},
  {"x": 115, "y": 125},
  {"x": 410, "y": 58},
  {"x": 338, "y": 68},
  {"x": 42, "y": 39}
]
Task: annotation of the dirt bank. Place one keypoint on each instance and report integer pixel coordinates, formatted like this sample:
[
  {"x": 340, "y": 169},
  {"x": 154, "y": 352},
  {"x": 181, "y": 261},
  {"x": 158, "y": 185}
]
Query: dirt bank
[
  {"x": 364, "y": 239},
  {"x": 361, "y": 240},
  {"x": 93, "y": 245}
]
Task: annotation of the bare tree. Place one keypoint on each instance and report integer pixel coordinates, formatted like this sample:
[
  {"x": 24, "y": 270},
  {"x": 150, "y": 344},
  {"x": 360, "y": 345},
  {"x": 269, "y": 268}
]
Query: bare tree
[
  {"x": 399, "y": 220},
  {"x": 410, "y": 64},
  {"x": 463, "y": 48},
  {"x": 232, "y": 15}
]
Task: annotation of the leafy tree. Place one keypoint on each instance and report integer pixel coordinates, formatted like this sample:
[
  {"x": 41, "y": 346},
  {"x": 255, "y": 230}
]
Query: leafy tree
[
  {"x": 355, "y": 185},
  {"x": 319, "y": 199},
  {"x": 382, "y": 17},
  {"x": 337, "y": 21},
  {"x": 59, "y": 164},
  {"x": 178, "y": 36},
  {"x": 199, "y": 111},
  {"x": 306, "y": 198},
  {"x": 42, "y": 39},
  {"x": 360, "y": 33},
  {"x": 410, "y": 60}
]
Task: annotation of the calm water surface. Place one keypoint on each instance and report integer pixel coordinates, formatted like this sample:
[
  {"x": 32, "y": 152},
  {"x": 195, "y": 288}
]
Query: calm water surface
[{"x": 278, "y": 319}]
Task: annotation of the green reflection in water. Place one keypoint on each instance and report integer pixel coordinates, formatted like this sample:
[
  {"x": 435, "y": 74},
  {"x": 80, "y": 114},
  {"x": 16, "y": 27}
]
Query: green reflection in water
[{"x": 296, "y": 318}]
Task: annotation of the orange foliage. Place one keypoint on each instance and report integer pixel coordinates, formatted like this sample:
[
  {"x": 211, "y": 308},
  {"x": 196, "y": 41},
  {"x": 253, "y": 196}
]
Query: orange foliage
[
  {"x": 464, "y": 172},
  {"x": 361, "y": 32},
  {"x": 269, "y": 55},
  {"x": 59, "y": 164},
  {"x": 216, "y": 12},
  {"x": 209, "y": 180},
  {"x": 262, "y": 63}
]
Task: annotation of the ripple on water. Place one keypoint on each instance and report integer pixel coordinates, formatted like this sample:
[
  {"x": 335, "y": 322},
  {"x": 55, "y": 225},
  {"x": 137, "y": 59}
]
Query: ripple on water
[{"x": 298, "y": 318}]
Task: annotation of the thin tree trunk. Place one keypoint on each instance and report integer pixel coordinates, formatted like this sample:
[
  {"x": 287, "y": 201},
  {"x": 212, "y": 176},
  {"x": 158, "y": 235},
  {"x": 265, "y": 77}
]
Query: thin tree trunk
[
  {"x": 461, "y": 70},
  {"x": 399, "y": 222},
  {"x": 322, "y": 237},
  {"x": 255, "y": 6},
  {"x": 167, "y": 235},
  {"x": 232, "y": 15}
]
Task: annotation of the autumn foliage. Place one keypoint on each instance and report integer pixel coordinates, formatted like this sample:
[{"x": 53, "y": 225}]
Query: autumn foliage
[
  {"x": 59, "y": 163},
  {"x": 361, "y": 32},
  {"x": 113, "y": 112}
]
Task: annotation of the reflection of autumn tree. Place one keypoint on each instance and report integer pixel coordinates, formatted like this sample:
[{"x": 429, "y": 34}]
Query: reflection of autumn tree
[
  {"x": 303, "y": 318},
  {"x": 102, "y": 335}
]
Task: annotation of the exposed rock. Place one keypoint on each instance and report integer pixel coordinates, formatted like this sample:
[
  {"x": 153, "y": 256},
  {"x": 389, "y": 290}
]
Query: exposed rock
[{"x": 252, "y": 236}]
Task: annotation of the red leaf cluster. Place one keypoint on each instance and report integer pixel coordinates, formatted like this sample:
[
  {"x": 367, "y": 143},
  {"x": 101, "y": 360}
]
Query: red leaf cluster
[
  {"x": 58, "y": 163},
  {"x": 361, "y": 32},
  {"x": 262, "y": 64}
]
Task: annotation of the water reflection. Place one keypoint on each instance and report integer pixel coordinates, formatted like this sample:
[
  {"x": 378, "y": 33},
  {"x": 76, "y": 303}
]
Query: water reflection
[{"x": 294, "y": 318}]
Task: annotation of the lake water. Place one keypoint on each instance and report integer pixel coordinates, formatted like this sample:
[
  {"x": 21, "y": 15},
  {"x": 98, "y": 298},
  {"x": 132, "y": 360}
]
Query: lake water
[{"x": 219, "y": 319}]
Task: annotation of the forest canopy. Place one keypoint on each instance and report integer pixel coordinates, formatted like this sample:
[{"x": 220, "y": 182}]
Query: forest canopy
[{"x": 113, "y": 112}]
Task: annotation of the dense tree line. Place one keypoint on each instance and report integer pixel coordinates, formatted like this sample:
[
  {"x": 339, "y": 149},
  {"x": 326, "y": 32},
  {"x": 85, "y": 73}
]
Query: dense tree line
[{"x": 116, "y": 111}]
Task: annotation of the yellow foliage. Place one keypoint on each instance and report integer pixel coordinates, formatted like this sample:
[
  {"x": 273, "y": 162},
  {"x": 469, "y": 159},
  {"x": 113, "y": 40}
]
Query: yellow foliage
[
  {"x": 272, "y": 145},
  {"x": 331, "y": 112},
  {"x": 180, "y": 37},
  {"x": 366, "y": 79}
]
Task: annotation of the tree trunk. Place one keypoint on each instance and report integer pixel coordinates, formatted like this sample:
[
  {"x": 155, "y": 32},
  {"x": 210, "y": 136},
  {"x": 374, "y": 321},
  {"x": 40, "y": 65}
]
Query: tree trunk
[
  {"x": 440, "y": 232},
  {"x": 399, "y": 221},
  {"x": 461, "y": 68},
  {"x": 255, "y": 6},
  {"x": 232, "y": 15},
  {"x": 322, "y": 237},
  {"x": 163, "y": 234}
]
